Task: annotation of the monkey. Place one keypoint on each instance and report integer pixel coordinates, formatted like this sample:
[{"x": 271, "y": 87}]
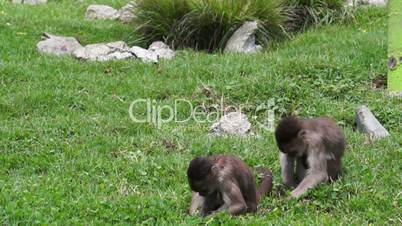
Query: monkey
[
  {"x": 315, "y": 145},
  {"x": 225, "y": 183}
]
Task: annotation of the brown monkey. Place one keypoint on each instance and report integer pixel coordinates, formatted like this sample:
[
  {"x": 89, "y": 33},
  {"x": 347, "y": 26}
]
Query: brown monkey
[
  {"x": 316, "y": 145},
  {"x": 225, "y": 182}
]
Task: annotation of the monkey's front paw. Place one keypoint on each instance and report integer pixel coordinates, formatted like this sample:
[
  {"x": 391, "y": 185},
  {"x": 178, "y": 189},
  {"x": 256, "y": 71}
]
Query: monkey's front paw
[
  {"x": 296, "y": 194},
  {"x": 193, "y": 212}
]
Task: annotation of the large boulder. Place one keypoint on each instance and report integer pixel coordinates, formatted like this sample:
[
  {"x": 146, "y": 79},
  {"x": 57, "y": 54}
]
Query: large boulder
[
  {"x": 104, "y": 51},
  {"x": 57, "y": 45},
  {"x": 29, "y": 2},
  {"x": 243, "y": 40},
  {"x": 234, "y": 123},
  {"x": 367, "y": 123},
  {"x": 126, "y": 13},
  {"x": 102, "y": 12}
]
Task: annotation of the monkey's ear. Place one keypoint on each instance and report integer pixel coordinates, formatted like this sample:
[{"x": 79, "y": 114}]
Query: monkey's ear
[
  {"x": 215, "y": 169},
  {"x": 301, "y": 134}
]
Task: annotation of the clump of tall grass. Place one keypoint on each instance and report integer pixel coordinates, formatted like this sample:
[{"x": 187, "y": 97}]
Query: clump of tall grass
[
  {"x": 208, "y": 24},
  {"x": 160, "y": 19},
  {"x": 306, "y": 13}
]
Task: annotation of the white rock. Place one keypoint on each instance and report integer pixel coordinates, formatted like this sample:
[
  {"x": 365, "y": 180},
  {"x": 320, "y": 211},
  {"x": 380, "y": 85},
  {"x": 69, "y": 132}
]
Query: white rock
[
  {"x": 143, "y": 54},
  {"x": 103, "y": 52},
  {"x": 367, "y": 123},
  {"x": 243, "y": 40},
  {"x": 158, "y": 45},
  {"x": 395, "y": 94},
  {"x": 29, "y": 2},
  {"x": 126, "y": 13},
  {"x": 367, "y": 2},
  {"x": 155, "y": 52},
  {"x": 117, "y": 55},
  {"x": 117, "y": 45},
  {"x": 161, "y": 50},
  {"x": 234, "y": 123},
  {"x": 377, "y": 2},
  {"x": 58, "y": 45},
  {"x": 119, "y": 50},
  {"x": 102, "y": 12}
]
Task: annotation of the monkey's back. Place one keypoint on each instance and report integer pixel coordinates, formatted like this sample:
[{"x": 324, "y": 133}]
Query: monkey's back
[
  {"x": 243, "y": 176},
  {"x": 331, "y": 134}
]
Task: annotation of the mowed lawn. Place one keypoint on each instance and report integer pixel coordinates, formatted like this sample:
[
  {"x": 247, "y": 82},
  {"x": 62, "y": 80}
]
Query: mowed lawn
[{"x": 71, "y": 155}]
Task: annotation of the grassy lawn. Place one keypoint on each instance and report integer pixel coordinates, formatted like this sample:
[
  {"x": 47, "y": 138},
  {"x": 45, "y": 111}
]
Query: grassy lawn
[{"x": 69, "y": 153}]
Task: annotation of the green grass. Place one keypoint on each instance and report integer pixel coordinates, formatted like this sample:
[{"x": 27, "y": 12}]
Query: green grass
[{"x": 69, "y": 153}]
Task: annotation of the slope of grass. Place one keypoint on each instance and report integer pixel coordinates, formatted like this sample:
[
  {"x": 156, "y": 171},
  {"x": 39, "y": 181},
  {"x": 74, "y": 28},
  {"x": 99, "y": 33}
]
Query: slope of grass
[{"x": 69, "y": 153}]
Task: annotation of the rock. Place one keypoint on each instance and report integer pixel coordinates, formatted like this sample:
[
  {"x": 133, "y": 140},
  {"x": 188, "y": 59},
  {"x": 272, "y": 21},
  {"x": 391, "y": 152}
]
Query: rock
[
  {"x": 29, "y": 2},
  {"x": 375, "y": 2},
  {"x": 126, "y": 13},
  {"x": 243, "y": 40},
  {"x": 161, "y": 50},
  {"x": 104, "y": 52},
  {"x": 102, "y": 12},
  {"x": 234, "y": 123},
  {"x": 395, "y": 94},
  {"x": 119, "y": 50},
  {"x": 158, "y": 45},
  {"x": 367, "y": 2},
  {"x": 143, "y": 54},
  {"x": 156, "y": 51},
  {"x": 367, "y": 123},
  {"x": 57, "y": 45}
]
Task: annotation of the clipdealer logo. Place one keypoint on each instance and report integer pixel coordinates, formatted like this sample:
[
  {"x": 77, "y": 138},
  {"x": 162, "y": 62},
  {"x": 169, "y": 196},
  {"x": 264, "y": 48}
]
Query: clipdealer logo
[{"x": 159, "y": 114}]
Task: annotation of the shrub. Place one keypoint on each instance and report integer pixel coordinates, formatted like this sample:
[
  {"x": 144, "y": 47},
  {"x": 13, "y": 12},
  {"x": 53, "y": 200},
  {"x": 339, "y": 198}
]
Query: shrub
[
  {"x": 159, "y": 19},
  {"x": 208, "y": 24},
  {"x": 305, "y": 13}
]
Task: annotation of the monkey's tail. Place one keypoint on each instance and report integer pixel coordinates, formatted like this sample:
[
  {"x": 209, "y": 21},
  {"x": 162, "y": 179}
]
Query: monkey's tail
[{"x": 266, "y": 183}]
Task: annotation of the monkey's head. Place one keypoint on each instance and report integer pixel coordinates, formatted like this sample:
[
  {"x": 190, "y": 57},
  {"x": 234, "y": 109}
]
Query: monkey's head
[
  {"x": 289, "y": 135},
  {"x": 201, "y": 176}
]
